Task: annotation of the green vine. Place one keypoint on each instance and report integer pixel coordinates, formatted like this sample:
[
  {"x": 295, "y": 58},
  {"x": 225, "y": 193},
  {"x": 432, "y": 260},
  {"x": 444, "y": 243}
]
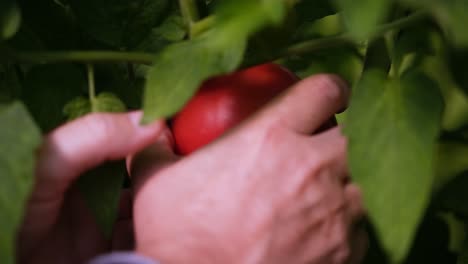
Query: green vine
[{"x": 147, "y": 58}]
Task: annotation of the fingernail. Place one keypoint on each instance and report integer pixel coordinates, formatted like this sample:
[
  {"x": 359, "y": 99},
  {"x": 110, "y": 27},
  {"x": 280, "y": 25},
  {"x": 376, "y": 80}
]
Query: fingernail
[
  {"x": 136, "y": 116},
  {"x": 344, "y": 87},
  {"x": 342, "y": 84}
]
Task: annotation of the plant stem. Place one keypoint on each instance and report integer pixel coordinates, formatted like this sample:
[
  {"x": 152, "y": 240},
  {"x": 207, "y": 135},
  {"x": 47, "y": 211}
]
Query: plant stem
[
  {"x": 91, "y": 86},
  {"x": 317, "y": 44},
  {"x": 147, "y": 58},
  {"x": 202, "y": 25},
  {"x": 81, "y": 56},
  {"x": 346, "y": 38},
  {"x": 190, "y": 14}
]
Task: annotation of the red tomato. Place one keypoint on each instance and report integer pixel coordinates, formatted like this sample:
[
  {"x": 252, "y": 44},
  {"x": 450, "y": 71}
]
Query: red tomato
[{"x": 223, "y": 102}]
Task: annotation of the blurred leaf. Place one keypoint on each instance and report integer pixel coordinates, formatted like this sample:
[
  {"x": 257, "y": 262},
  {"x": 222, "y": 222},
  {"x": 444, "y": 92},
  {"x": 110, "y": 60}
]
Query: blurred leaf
[
  {"x": 181, "y": 68},
  {"x": 458, "y": 64},
  {"x": 308, "y": 11},
  {"x": 26, "y": 40},
  {"x": 378, "y": 56},
  {"x": 19, "y": 139},
  {"x": 375, "y": 253},
  {"x": 124, "y": 80},
  {"x": 431, "y": 244},
  {"x": 48, "y": 88},
  {"x": 104, "y": 102},
  {"x": 108, "y": 102},
  {"x": 414, "y": 39},
  {"x": 327, "y": 26},
  {"x": 51, "y": 23},
  {"x": 119, "y": 23},
  {"x": 344, "y": 61},
  {"x": 454, "y": 196},
  {"x": 172, "y": 29},
  {"x": 463, "y": 256},
  {"x": 10, "y": 87},
  {"x": 10, "y": 18},
  {"x": 451, "y": 14},
  {"x": 363, "y": 16},
  {"x": 393, "y": 125},
  {"x": 452, "y": 160},
  {"x": 77, "y": 107},
  {"x": 456, "y": 102},
  {"x": 412, "y": 46},
  {"x": 101, "y": 189}
]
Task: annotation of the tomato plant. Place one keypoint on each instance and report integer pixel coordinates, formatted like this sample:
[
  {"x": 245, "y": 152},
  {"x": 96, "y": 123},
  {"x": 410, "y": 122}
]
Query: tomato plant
[{"x": 406, "y": 124}]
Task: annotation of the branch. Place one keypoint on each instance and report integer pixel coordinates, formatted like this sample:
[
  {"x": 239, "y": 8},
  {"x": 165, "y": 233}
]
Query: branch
[
  {"x": 346, "y": 38},
  {"x": 79, "y": 56},
  {"x": 190, "y": 13}
]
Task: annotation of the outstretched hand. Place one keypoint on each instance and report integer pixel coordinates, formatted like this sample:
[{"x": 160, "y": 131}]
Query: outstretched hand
[{"x": 268, "y": 192}]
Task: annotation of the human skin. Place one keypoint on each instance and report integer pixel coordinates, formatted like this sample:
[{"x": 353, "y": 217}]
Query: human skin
[
  {"x": 270, "y": 191},
  {"x": 57, "y": 226}
]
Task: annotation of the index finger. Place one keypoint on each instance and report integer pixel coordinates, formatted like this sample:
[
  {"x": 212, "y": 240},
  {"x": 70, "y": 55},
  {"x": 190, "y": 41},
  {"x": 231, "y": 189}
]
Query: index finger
[{"x": 310, "y": 103}]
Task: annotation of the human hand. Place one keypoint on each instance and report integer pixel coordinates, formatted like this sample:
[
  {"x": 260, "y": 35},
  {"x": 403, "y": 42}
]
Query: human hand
[
  {"x": 268, "y": 192},
  {"x": 57, "y": 227}
]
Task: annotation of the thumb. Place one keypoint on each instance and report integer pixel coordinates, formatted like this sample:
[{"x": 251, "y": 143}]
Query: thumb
[
  {"x": 146, "y": 163},
  {"x": 71, "y": 150},
  {"x": 87, "y": 142}
]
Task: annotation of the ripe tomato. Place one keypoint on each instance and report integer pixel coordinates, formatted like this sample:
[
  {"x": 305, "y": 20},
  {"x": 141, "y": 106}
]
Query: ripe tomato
[{"x": 223, "y": 102}]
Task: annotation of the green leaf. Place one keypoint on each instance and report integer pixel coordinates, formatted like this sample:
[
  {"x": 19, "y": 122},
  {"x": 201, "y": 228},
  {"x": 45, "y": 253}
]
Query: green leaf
[
  {"x": 48, "y": 88},
  {"x": 452, "y": 160},
  {"x": 119, "y": 23},
  {"x": 344, "y": 61},
  {"x": 308, "y": 11},
  {"x": 101, "y": 190},
  {"x": 19, "y": 139},
  {"x": 454, "y": 197},
  {"x": 181, "y": 68},
  {"x": 363, "y": 16},
  {"x": 77, "y": 108},
  {"x": 456, "y": 103},
  {"x": 125, "y": 80},
  {"x": 104, "y": 102},
  {"x": 392, "y": 127},
  {"x": 377, "y": 56},
  {"x": 171, "y": 30},
  {"x": 10, "y": 18},
  {"x": 51, "y": 23},
  {"x": 327, "y": 26},
  {"x": 412, "y": 45},
  {"x": 10, "y": 87},
  {"x": 26, "y": 40},
  {"x": 451, "y": 14},
  {"x": 431, "y": 243},
  {"x": 463, "y": 257},
  {"x": 458, "y": 65}
]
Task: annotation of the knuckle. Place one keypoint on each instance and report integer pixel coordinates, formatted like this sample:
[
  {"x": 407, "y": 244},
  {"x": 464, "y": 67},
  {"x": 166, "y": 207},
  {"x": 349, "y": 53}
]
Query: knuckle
[
  {"x": 273, "y": 134},
  {"x": 317, "y": 164},
  {"x": 339, "y": 246},
  {"x": 342, "y": 254},
  {"x": 99, "y": 125}
]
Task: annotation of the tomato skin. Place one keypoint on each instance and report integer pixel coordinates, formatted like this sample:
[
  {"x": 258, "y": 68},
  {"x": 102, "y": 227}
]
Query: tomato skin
[{"x": 224, "y": 101}]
